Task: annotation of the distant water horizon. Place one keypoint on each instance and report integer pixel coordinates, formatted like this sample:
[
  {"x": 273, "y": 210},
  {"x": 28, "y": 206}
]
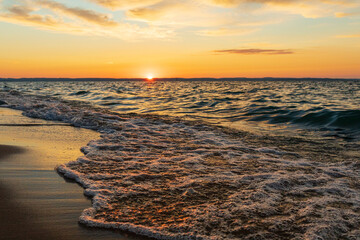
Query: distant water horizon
[{"x": 39, "y": 79}]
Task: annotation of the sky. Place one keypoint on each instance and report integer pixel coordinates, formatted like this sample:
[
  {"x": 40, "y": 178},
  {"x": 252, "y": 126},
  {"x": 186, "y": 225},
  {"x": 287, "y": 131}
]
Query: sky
[{"x": 182, "y": 38}]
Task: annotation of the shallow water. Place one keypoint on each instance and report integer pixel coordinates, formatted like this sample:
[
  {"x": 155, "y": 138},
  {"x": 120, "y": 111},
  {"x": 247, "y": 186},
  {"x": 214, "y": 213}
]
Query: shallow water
[
  {"x": 169, "y": 178},
  {"x": 304, "y": 108}
]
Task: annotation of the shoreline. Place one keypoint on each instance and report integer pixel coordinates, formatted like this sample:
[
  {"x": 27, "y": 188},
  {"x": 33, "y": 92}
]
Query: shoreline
[{"x": 33, "y": 196}]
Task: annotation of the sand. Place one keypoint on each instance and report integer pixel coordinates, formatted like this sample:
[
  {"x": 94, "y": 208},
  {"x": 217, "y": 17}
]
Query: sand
[
  {"x": 6, "y": 150},
  {"x": 35, "y": 202}
]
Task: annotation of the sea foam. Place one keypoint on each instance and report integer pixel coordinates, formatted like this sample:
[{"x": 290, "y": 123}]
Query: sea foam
[{"x": 179, "y": 180}]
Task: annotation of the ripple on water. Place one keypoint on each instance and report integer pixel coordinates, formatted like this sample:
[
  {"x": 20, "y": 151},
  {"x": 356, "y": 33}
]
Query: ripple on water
[
  {"x": 276, "y": 105},
  {"x": 172, "y": 179}
]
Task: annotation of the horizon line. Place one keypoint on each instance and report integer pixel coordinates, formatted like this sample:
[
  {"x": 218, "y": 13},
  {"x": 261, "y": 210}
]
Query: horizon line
[{"x": 172, "y": 78}]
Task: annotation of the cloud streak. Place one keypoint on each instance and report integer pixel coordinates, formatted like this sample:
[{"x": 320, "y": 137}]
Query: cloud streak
[
  {"x": 155, "y": 12},
  {"x": 226, "y": 32},
  {"x": 78, "y": 21},
  {"x": 87, "y": 15},
  {"x": 23, "y": 14},
  {"x": 163, "y": 18},
  {"x": 255, "y": 51},
  {"x": 125, "y": 4},
  {"x": 232, "y": 3},
  {"x": 348, "y": 14}
]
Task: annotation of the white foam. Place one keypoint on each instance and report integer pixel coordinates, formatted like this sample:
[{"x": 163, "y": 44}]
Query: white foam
[{"x": 178, "y": 181}]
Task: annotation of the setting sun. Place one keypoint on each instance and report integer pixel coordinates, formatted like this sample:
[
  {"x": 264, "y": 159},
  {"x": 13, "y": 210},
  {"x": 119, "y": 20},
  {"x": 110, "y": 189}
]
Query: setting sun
[{"x": 150, "y": 77}]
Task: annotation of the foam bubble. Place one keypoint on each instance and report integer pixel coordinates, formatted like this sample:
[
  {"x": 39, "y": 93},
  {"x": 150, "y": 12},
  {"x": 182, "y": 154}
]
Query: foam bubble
[{"x": 173, "y": 180}]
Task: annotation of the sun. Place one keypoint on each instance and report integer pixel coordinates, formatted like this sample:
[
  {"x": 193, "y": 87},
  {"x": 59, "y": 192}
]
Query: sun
[{"x": 149, "y": 77}]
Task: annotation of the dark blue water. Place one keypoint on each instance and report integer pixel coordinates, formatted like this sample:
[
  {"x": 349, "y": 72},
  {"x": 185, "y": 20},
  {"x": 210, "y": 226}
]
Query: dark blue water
[{"x": 327, "y": 108}]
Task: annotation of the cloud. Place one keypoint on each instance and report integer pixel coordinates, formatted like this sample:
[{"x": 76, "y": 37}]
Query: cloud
[
  {"x": 254, "y": 51},
  {"x": 232, "y": 3},
  {"x": 181, "y": 14},
  {"x": 60, "y": 18},
  {"x": 235, "y": 12},
  {"x": 306, "y": 8},
  {"x": 156, "y": 12},
  {"x": 342, "y": 14},
  {"x": 164, "y": 18},
  {"x": 125, "y": 4},
  {"x": 225, "y": 32},
  {"x": 23, "y": 14},
  {"x": 87, "y": 15}
]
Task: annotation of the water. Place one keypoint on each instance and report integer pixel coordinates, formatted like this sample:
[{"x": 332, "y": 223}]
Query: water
[
  {"x": 326, "y": 108},
  {"x": 290, "y": 170}
]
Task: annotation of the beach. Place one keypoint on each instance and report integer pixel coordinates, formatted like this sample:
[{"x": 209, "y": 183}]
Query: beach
[
  {"x": 35, "y": 202},
  {"x": 180, "y": 120},
  {"x": 167, "y": 177}
]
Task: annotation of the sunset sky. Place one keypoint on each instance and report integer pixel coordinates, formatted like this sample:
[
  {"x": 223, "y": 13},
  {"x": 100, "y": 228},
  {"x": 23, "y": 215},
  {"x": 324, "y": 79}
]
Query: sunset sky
[{"x": 182, "y": 38}]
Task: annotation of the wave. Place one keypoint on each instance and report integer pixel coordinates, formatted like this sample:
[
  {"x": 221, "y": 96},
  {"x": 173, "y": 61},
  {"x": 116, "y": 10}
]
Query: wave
[
  {"x": 348, "y": 119},
  {"x": 78, "y": 93},
  {"x": 167, "y": 178},
  {"x": 327, "y": 108},
  {"x": 320, "y": 118}
]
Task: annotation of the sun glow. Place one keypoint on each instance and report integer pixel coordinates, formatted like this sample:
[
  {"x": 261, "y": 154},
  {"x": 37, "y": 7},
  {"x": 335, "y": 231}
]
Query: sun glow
[{"x": 149, "y": 77}]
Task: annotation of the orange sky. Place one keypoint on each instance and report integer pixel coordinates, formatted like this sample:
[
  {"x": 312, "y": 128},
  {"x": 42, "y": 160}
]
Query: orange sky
[{"x": 204, "y": 38}]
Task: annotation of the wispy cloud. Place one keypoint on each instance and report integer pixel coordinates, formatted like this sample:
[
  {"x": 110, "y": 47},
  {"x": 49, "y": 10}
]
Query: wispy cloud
[
  {"x": 347, "y": 14},
  {"x": 75, "y": 20},
  {"x": 157, "y": 11},
  {"x": 200, "y": 12},
  {"x": 163, "y": 18},
  {"x": 254, "y": 51},
  {"x": 125, "y": 4},
  {"x": 87, "y": 15},
  {"x": 225, "y": 32},
  {"x": 24, "y": 14},
  {"x": 306, "y": 8},
  {"x": 231, "y": 3}
]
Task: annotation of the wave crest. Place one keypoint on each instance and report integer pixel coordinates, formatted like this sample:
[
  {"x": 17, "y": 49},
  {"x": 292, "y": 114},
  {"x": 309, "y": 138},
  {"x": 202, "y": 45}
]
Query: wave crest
[{"x": 174, "y": 180}]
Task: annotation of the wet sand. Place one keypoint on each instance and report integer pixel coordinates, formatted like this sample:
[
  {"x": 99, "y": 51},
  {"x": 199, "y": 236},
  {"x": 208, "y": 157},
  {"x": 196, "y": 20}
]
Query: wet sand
[
  {"x": 6, "y": 150},
  {"x": 18, "y": 222},
  {"x": 35, "y": 202}
]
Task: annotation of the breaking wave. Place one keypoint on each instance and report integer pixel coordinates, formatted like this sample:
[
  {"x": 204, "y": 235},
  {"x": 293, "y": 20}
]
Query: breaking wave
[{"x": 168, "y": 178}]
